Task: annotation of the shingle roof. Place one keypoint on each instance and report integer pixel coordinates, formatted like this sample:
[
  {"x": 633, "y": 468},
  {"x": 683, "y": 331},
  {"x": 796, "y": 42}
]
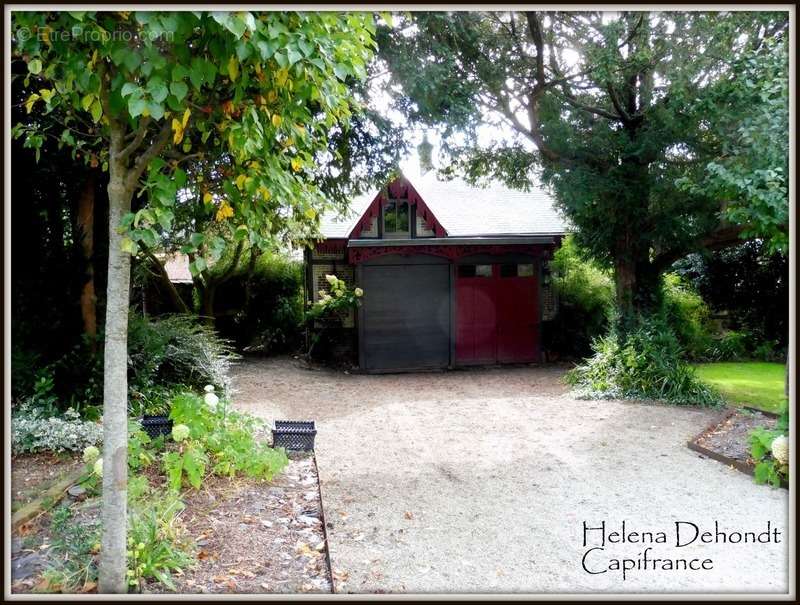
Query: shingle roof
[{"x": 464, "y": 210}]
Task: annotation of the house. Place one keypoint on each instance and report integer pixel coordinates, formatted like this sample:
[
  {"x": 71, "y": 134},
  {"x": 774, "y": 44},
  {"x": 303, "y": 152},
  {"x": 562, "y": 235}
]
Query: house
[{"x": 453, "y": 275}]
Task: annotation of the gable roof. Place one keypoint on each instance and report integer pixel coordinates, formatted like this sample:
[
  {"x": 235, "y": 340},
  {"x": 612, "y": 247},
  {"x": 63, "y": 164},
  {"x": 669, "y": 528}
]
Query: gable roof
[{"x": 466, "y": 211}]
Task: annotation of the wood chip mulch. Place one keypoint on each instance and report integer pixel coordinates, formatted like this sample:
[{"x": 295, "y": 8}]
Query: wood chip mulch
[
  {"x": 249, "y": 536},
  {"x": 254, "y": 537}
]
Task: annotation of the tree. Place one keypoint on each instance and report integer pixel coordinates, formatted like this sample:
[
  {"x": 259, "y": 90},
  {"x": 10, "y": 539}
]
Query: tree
[
  {"x": 620, "y": 113},
  {"x": 140, "y": 91}
]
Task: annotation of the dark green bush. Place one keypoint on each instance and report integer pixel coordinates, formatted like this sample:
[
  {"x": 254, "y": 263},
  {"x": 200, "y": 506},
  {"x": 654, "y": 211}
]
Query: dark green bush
[
  {"x": 263, "y": 313},
  {"x": 585, "y": 298},
  {"x": 647, "y": 363}
]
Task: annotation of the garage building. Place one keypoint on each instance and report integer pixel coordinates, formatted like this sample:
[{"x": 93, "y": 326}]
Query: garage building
[{"x": 453, "y": 275}]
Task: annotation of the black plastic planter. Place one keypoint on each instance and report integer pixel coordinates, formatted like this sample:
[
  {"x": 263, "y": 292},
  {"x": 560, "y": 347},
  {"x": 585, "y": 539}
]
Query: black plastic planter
[
  {"x": 156, "y": 426},
  {"x": 294, "y": 435}
]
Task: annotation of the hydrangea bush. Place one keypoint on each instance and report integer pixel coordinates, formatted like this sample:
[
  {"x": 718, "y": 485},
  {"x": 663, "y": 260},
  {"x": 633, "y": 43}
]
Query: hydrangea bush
[
  {"x": 32, "y": 432},
  {"x": 770, "y": 452}
]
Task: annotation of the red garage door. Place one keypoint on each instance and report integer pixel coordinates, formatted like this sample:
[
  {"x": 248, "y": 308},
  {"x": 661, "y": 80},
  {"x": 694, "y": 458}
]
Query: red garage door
[{"x": 497, "y": 313}]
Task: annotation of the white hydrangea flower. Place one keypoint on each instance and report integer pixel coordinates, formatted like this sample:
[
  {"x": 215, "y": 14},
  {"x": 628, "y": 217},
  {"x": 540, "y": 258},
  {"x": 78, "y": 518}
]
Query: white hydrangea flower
[
  {"x": 98, "y": 467},
  {"x": 339, "y": 293},
  {"x": 90, "y": 454},
  {"x": 358, "y": 292},
  {"x": 331, "y": 279},
  {"x": 211, "y": 401},
  {"x": 209, "y": 388},
  {"x": 180, "y": 432},
  {"x": 780, "y": 449}
]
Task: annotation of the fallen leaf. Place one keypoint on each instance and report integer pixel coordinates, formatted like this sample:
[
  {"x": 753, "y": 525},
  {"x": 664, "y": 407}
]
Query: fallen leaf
[
  {"x": 89, "y": 586},
  {"x": 409, "y": 515}
]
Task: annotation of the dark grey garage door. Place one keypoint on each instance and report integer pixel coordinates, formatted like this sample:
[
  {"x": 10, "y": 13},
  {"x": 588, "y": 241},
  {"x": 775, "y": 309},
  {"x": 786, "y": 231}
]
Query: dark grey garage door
[{"x": 405, "y": 324}]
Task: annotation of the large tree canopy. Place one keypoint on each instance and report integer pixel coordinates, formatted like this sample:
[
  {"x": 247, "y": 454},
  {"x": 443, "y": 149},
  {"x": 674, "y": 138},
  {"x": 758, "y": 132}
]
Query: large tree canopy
[{"x": 648, "y": 126}]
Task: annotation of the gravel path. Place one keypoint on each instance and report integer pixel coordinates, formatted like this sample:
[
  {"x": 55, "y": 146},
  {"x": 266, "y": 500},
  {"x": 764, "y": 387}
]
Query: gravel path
[{"x": 481, "y": 480}]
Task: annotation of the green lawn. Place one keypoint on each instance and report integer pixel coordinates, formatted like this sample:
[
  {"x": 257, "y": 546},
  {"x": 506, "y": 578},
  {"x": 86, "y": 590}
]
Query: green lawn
[{"x": 753, "y": 383}]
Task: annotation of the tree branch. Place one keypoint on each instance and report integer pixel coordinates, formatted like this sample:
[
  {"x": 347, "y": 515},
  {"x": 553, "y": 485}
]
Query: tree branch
[
  {"x": 139, "y": 135},
  {"x": 151, "y": 152}
]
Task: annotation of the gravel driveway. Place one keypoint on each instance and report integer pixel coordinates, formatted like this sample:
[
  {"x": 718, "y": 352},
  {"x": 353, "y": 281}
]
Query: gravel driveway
[{"x": 481, "y": 480}]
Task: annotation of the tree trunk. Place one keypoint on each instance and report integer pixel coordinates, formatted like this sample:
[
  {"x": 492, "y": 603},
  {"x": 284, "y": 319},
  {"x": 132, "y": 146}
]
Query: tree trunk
[
  {"x": 86, "y": 229},
  {"x": 638, "y": 289},
  {"x": 113, "y": 564}
]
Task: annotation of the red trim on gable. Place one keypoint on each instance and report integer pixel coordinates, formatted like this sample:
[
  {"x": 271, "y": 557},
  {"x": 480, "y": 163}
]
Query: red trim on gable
[{"x": 400, "y": 188}]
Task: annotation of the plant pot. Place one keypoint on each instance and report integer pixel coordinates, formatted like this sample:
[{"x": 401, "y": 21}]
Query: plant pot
[
  {"x": 294, "y": 435},
  {"x": 156, "y": 426}
]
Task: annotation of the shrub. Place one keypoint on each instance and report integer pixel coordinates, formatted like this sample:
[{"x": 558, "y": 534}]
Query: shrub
[
  {"x": 687, "y": 315},
  {"x": 262, "y": 312},
  {"x": 646, "y": 364},
  {"x": 171, "y": 353},
  {"x": 218, "y": 440},
  {"x": 770, "y": 451},
  {"x": 33, "y": 432},
  {"x": 585, "y": 298}
]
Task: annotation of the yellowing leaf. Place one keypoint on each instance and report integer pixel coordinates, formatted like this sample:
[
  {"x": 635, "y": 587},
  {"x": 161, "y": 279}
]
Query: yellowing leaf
[
  {"x": 207, "y": 197},
  {"x": 128, "y": 245},
  {"x": 30, "y": 102},
  {"x": 311, "y": 214},
  {"x": 240, "y": 181},
  {"x": 297, "y": 164},
  {"x": 86, "y": 102},
  {"x": 272, "y": 96},
  {"x": 186, "y": 115},
  {"x": 233, "y": 68},
  {"x": 225, "y": 211},
  {"x": 276, "y": 120},
  {"x": 177, "y": 131},
  {"x": 264, "y": 193},
  {"x": 281, "y": 76},
  {"x": 47, "y": 94}
]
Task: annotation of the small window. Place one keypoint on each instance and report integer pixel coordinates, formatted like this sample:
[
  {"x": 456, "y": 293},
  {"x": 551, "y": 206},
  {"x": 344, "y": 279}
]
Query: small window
[
  {"x": 396, "y": 219},
  {"x": 474, "y": 270},
  {"x": 515, "y": 270},
  {"x": 525, "y": 270}
]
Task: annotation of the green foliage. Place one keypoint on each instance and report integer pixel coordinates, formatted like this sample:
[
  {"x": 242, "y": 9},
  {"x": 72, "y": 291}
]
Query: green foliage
[
  {"x": 647, "y": 363},
  {"x": 336, "y": 303},
  {"x": 585, "y": 298},
  {"x": 753, "y": 135},
  {"x": 688, "y": 316},
  {"x": 220, "y": 441},
  {"x": 169, "y": 353},
  {"x": 768, "y": 468},
  {"x": 262, "y": 310},
  {"x": 157, "y": 544},
  {"x": 252, "y": 96},
  {"x": 141, "y": 448},
  {"x": 749, "y": 287},
  {"x": 620, "y": 115},
  {"x": 32, "y": 431},
  {"x": 74, "y": 547}
]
